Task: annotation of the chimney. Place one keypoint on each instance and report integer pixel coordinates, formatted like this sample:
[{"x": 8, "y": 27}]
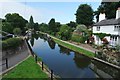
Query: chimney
[
  {"x": 101, "y": 16},
  {"x": 118, "y": 13}
]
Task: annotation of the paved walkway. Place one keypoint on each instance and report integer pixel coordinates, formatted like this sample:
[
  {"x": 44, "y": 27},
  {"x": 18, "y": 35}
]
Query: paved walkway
[
  {"x": 85, "y": 46},
  {"x": 16, "y": 58}
]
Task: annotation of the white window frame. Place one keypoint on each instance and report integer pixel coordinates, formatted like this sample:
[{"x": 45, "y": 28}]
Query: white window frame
[
  {"x": 116, "y": 27},
  {"x": 98, "y": 28}
]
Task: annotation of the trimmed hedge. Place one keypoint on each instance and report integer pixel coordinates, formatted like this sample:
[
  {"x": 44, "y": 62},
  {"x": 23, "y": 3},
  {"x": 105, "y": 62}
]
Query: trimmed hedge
[{"x": 11, "y": 43}]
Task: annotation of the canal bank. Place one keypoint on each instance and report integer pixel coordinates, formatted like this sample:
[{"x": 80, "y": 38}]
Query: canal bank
[
  {"x": 62, "y": 59},
  {"x": 79, "y": 49}
]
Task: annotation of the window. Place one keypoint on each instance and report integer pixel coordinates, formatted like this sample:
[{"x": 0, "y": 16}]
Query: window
[
  {"x": 116, "y": 28},
  {"x": 115, "y": 38},
  {"x": 98, "y": 28}
]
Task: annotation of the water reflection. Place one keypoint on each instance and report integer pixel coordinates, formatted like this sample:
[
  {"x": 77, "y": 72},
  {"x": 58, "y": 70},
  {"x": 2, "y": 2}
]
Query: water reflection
[
  {"x": 107, "y": 69},
  {"x": 64, "y": 50},
  {"x": 81, "y": 61},
  {"x": 51, "y": 43},
  {"x": 32, "y": 41},
  {"x": 72, "y": 64}
]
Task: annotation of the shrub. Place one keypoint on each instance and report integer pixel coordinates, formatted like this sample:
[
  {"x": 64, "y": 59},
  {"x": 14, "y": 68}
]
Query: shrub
[
  {"x": 78, "y": 38},
  {"x": 118, "y": 48},
  {"x": 11, "y": 43},
  {"x": 65, "y": 32},
  {"x": 17, "y": 31}
]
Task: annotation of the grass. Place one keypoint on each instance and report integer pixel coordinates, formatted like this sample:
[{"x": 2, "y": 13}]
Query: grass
[
  {"x": 27, "y": 69},
  {"x": 74, "y": 48}
]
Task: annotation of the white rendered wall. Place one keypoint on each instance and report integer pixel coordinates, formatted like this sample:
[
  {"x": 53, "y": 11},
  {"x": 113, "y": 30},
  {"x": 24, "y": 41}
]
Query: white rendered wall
[
  {"x": 109, "y": 29},
  {"x": 101, "y": 16}
]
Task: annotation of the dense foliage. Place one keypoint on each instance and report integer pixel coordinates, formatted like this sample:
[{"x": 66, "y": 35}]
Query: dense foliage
[
  {"x": 77, "y": 38},
  {"x": 52, "y": 25},
  {"x": 44, "y": 27},
  {"x": 84, "y": 15},
  {"x": 101, "y": 35},
  {"x": 11, "y": 43},
  {"x": 17, "y": 31},
  {"x": 109, "y": 8},
  {"x": 65, "y": 32},
  {"x": 12, "y": 21}
]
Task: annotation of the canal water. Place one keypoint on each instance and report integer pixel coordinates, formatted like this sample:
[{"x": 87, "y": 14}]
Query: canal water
[{"x": 67, "y": 63}]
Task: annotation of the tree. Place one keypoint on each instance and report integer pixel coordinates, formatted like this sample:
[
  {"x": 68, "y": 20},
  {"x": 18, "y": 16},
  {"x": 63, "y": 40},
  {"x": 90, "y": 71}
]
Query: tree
[
  {"x": 16, "y": 21},
  {"x": 36, "y": 26},
  {"x": 72, "y": 24},
  {"x": 17, "y": 31},
  {"x": 84, "y": 15},
  {"x": 31, "y": 23},
  {"x": 80, "y": 28},
  {"x": 57, "y": 26},
  {"x": 109, "y": 8},
  {"x": 7, "y": 27},
  {"x": 65, "y": 32},
  {"x": 52, "y": 25},
  {"x": 44, "y": 27}
]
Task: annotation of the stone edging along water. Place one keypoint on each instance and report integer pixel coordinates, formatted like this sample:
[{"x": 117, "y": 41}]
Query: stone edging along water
[
  {"x": 97, "y": 59},
  {"x": 9, "y": 69}
]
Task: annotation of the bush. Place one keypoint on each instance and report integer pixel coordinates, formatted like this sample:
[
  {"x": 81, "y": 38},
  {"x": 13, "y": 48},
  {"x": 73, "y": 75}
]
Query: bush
[
  {"x": 118, "y": 48},
  {"x": 65, "y": 32},
  {"x": 78, "y": 38},
  {"x": 11, "y": 43},
  {"x": 17, "y": 31}
]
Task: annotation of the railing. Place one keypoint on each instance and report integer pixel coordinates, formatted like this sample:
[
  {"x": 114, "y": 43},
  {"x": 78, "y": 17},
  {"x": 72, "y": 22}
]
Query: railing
[
  {"x": 44, "y": 67},
  {"x": 6, "y": 63}
]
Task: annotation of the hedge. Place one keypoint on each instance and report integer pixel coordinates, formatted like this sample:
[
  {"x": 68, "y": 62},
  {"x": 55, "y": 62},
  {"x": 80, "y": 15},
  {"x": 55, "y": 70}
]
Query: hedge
[{"x": 11, "y": 43}]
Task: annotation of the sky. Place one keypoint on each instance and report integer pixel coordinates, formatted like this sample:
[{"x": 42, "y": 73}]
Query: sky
[{"x": 42, "y": 12}]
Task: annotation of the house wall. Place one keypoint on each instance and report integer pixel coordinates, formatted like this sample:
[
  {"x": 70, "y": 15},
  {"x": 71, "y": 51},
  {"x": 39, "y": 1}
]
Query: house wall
[
  {"x": 119, "y": 41},
  {"x": 108, "y": 30}
]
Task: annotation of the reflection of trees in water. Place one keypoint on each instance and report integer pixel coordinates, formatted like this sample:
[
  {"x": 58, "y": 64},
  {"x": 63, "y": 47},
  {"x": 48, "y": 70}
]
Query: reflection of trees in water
[
  {"x": 34, "y": 36},
  {"x": 41, "y": 36},
  {"x": 32, "y": 41},
  {"x": 64, "y": 50},
  {"x": 81, "y": 61},
  {"x": 107, "y": 69},
  {"x": 51, "y": 43}
]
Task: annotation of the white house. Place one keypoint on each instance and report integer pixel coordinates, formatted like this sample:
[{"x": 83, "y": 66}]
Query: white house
[{"x": 108, "y": 26}]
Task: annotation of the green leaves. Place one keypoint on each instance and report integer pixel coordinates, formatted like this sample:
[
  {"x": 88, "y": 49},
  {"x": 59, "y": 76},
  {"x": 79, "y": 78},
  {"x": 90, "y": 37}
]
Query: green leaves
[
  {"x": 11, "y": 43},
  {"x": 101, "y": 35},
  {"x": 84, "y": 15},
  {"x": 65, "y": 32},
  {"x": 17, "y": 31}
]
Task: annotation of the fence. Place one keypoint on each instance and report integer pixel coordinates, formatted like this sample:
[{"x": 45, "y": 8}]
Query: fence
[
  {"x": 6, "y": 63},
  {"x": 44, "y": 67}
]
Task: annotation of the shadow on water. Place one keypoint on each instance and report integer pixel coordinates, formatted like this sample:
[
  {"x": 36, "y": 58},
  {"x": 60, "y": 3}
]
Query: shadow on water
[
  {"x": 81, "y": 61},
  {"x": 67, "y": 63}
]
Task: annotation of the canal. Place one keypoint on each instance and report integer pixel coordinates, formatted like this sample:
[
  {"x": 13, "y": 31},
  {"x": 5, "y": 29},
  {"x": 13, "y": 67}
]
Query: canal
[{"x": 67, "y": 63}]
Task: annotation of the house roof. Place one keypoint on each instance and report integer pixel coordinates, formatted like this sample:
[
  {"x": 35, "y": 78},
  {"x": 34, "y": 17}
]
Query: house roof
[{"x": 108, "y": 22}]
